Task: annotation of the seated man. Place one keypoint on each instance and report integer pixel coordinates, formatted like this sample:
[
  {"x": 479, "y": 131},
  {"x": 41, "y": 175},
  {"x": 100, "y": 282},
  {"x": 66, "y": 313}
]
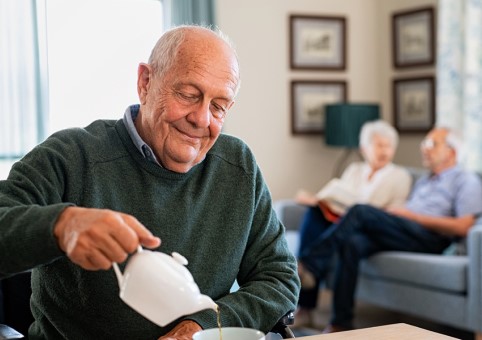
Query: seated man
[
  {"x": 443, "y": 206},
  {"x": 88, "y": 197}
]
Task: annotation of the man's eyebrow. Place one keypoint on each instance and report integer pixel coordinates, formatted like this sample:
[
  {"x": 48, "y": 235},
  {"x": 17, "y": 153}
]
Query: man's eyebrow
[{"x": 178, "y": 86}]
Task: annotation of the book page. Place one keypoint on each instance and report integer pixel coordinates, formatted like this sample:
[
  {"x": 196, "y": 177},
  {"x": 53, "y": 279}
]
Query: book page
[
  {"x": 337, "y": 196},
  {"x": 306, "y": 198}
]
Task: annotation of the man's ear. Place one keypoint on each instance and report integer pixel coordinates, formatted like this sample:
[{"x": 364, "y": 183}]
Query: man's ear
[
  {"x": 454, "y": 153},
  {"x": 230, "y": 106},
  {"x": 143, "y": 81}
]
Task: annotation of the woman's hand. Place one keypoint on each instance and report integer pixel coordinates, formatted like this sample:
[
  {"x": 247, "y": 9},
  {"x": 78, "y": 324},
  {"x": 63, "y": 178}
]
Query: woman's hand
[{"x": 183, "y": 331}]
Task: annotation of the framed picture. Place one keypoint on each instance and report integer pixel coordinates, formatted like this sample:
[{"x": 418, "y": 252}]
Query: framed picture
[
  {"x": 413, "y": 38},
  {"x": 308, "y": 100},
  {"x": 414, "y": 104},
  {"x": 317, "y": 42}
]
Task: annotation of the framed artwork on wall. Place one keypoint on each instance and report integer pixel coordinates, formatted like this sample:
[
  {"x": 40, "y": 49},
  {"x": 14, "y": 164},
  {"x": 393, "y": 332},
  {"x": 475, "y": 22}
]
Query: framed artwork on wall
[
  {"x": 308, "y": 100},
  {"x": 413, "y": 38},
  {"x": 317, "y": 42},
  {"x": 414, "y": 104}
]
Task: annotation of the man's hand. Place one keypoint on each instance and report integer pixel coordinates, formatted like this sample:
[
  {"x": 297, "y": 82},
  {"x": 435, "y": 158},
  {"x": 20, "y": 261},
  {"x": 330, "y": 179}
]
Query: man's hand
[
  {"x": 183, "y": 331},
  {"x": 94, "y": 238},
  {"x": 454, "y": 226}
]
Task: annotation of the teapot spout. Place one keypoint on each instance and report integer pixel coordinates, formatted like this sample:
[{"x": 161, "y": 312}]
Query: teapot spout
[{"x": 205, "y": 302}]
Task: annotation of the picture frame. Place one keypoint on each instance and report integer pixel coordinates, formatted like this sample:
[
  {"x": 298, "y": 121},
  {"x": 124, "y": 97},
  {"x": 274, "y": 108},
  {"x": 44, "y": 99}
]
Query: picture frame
[
  {"x": 318, "y": 42},
  {"x": 414, "y": 104},
  {"x": 308, "y": 100},
  {"x": 413, "y": 38}
]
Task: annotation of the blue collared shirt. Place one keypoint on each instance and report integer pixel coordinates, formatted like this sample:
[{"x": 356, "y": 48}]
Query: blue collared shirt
[
  {"x": 454, "y": 192},
  {"x": 129, "y": 117}
]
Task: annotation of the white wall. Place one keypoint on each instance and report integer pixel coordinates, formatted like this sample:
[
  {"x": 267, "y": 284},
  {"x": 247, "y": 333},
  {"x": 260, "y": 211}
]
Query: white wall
[{"x": 261, "y": 115}]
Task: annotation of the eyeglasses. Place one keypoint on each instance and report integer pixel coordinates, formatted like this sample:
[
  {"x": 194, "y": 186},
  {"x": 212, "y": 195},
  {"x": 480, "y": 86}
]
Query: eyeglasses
[
  {"x": 430, "y": 144},
  {"x": 427, "y": 143}
]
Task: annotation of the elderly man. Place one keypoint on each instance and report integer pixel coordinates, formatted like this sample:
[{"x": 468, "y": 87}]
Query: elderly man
[
  {"x": 88, "y": 197},
  {"x": 442, "y": 206}
]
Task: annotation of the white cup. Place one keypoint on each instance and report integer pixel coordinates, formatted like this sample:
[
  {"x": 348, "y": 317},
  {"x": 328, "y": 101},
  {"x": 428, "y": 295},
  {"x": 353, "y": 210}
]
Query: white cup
[{"x": 229, "y": 333}]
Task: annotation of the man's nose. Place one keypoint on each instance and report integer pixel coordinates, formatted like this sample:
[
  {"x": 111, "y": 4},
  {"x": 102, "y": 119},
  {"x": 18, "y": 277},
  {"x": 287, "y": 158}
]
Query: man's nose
[{"x": 201, "y": 116}]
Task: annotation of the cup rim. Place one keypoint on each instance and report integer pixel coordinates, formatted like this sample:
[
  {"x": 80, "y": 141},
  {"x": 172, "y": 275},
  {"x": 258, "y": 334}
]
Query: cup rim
[{"x": 215, "y": 329}]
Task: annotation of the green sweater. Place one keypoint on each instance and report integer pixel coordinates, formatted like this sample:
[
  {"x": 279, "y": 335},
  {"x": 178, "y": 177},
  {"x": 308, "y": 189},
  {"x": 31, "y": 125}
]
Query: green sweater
[{"x": 218, "y": 215}]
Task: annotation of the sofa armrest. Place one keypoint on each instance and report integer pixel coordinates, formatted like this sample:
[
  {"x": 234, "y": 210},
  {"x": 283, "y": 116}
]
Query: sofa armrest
[
  {"x": 474, "y": 250},
  {"x": 289, "y": 213}
]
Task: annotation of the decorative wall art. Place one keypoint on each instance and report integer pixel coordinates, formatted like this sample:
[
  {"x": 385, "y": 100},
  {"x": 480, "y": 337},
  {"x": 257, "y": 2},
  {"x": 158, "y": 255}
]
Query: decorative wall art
[
  {"x": 317, "y": 42},
  {"x": 414, "y": 104},
  {"x": 308, "y": 100},
  {"x": 413, "y": 38}
]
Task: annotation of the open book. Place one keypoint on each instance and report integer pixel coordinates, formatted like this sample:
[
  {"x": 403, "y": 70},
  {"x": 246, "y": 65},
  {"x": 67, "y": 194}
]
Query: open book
[
  {"x": 337, "y": 196},
  {"x": 333, "y": 199}
]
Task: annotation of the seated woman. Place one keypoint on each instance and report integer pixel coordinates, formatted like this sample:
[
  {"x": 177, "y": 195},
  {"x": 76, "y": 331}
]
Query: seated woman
[{"x": 376, "y": 181}]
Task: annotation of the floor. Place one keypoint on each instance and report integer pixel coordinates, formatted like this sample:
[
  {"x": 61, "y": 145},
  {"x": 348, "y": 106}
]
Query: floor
[{"x": 370, "y": 316}]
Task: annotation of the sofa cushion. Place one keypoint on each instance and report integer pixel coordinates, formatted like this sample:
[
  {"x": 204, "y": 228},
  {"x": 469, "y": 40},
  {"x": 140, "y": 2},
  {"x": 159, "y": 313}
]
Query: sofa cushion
[{"x": 427, "y": 270}]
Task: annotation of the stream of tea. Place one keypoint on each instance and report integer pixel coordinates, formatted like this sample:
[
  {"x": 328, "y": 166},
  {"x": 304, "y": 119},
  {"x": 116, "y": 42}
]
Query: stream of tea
[{"x": 218, "y": 312}]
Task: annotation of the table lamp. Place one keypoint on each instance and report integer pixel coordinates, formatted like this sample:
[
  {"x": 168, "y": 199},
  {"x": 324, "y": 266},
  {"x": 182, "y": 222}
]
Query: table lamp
[{"x": 343, "y": 122}]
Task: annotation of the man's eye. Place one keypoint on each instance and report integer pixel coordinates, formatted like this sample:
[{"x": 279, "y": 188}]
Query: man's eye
[
  {"x": 187, "y": 96},
  {"x": 218, "y": 111}
]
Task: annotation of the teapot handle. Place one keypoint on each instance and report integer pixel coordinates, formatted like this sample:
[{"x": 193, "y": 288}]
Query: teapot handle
[{"x": 117, "y": 271}]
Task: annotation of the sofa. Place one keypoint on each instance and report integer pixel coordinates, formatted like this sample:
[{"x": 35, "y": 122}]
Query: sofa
[{"x": 444, "y": 288}]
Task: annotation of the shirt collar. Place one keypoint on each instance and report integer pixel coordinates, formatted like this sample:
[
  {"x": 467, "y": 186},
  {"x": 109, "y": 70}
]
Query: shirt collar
[
  {"x": 367, "y": 170},
  {"x": 445, "y": 172},
  {"x": 130, "y": 116}
]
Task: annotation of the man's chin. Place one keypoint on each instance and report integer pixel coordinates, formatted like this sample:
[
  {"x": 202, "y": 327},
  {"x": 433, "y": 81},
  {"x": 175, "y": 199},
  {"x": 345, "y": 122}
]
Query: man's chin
[
  {"x": 183, "y": 164},
  {"x": 179, "y": 167}
]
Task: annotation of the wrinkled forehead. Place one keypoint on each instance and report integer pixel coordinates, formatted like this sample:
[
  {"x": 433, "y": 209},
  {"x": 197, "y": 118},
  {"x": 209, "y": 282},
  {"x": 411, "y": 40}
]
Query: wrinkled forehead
[
  {"x": 437, "y": 135},
  {"x": 209, "y": 57},
  {"x": 380, "y": 138}
]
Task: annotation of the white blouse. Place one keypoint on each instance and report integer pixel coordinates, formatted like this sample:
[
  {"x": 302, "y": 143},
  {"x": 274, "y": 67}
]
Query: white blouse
[{"x": 388, "y": 186}]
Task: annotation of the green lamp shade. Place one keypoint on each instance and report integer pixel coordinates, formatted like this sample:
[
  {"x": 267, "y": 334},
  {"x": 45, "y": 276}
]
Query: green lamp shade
[{"x": 344, "y": 121}]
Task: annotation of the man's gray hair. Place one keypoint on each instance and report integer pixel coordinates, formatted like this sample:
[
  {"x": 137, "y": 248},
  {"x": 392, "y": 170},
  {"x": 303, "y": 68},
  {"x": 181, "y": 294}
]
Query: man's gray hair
[
  {"x": 380, "y": 128},
  {"x": 455, "y": 141},
  {"x": 164, "y": 53}
]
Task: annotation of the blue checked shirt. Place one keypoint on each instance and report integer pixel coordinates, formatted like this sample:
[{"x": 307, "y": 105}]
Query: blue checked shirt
[
  {"x": 129, "y": 117},
  {"x": 454, "y": 192}
]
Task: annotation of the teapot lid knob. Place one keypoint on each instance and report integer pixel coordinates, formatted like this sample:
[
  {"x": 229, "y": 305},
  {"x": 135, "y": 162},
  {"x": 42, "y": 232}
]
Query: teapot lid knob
[{"x": 179, "y": 258}]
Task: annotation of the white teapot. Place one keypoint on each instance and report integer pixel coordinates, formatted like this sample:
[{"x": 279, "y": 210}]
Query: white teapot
[{"x": 160, "y": 287}]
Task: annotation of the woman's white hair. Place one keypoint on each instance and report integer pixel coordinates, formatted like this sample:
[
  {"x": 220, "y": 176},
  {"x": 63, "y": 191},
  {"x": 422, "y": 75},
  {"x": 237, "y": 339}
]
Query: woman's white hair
[
  {"x": 380, "y": 128},
  {"x": 164, "y": 53}
]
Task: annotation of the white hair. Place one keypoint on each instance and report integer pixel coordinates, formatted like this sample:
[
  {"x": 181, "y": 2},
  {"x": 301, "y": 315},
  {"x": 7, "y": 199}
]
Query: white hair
[
  {"x": 455, "y": 141},
  {"x": 377, "y": 127}
]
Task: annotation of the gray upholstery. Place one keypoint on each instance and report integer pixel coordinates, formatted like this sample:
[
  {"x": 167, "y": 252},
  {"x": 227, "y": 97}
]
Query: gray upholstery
[
  {"x": 442, "y": 288},
  {"x": 411, "y": 268},
  {"x": 289, "y": 213}
]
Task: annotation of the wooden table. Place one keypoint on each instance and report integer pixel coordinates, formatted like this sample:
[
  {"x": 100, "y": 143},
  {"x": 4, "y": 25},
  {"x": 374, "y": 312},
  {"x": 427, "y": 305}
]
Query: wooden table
[{"x": 398, "y": 331}]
